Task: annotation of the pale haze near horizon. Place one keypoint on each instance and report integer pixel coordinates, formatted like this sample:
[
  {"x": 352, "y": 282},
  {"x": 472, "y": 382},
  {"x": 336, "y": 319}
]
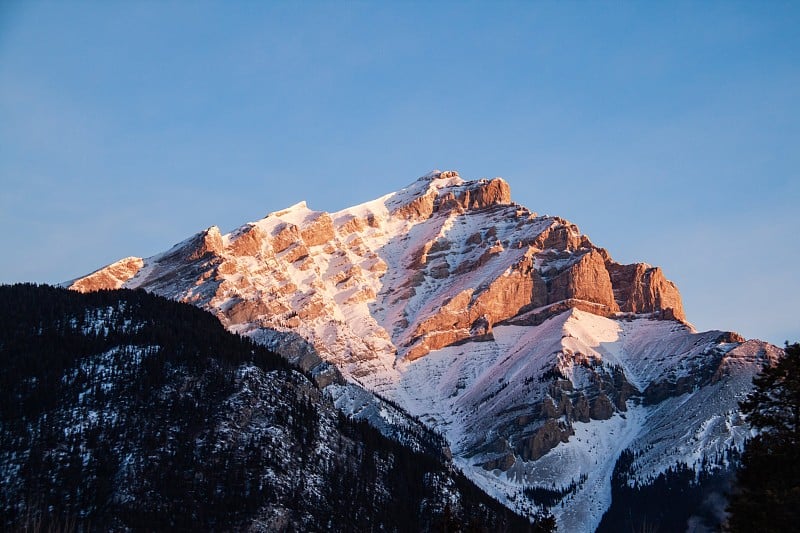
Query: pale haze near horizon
[{"x": 668, "y": 133}]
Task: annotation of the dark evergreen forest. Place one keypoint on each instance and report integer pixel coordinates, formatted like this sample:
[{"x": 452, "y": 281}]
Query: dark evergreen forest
[
  {"x": 673, "y": 500},
  {"x": 122, "y": 410}
]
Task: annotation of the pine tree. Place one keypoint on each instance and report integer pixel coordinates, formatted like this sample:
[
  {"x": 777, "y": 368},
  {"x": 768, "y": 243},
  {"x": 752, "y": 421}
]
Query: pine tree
[{"x": 767, "y": 495}]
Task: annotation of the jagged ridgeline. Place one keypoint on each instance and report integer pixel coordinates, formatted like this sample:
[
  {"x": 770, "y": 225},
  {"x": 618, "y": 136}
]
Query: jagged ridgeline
[{"x": 124, "y": 410}]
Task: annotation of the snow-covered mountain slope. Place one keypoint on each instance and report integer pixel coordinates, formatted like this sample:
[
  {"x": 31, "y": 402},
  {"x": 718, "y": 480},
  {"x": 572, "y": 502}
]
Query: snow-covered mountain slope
[
  {"x": 554, "y": 405},
  {"x": 536, "y": 355}
]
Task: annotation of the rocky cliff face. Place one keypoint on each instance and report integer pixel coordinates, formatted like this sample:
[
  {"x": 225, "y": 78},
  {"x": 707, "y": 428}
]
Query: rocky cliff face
[
  {"x": 511, "y": 333},
  {"x": 299, "y": 267},
  {"x": 639, "y": 288}
]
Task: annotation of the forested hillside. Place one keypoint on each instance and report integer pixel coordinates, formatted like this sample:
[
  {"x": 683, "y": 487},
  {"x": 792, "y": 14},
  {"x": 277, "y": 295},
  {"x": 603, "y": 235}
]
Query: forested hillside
[{"x": 120, "y": 409}]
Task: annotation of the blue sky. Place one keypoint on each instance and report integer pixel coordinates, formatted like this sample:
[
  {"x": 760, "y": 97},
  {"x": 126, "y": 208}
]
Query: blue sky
[{"x": 669, "y": 132}]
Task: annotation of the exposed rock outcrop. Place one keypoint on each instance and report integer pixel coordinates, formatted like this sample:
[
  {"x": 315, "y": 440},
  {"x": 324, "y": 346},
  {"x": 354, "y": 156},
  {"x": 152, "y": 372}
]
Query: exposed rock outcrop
[
  {"x": 207, "y": 242},
  {"x": 602, "y": 408},
  {"x": 561, "y": 235},
  {"x": 640, "y": 288},
  {"x": 318, "y": 231},
  {"x": 249, "y": 242},
  {"x": 587, "y": 279},
  {"x": 502, "y": 463},
  {"x": 544, "y": 439},
  {"x": 284, "y": 236},
  {"x": 476, "y": 195},
  {"x": 502, "y": 298},
  {"x": 592, "y": 283},
  {"x": 419, "y": 208},
  {"x": 111, "y": 277}
]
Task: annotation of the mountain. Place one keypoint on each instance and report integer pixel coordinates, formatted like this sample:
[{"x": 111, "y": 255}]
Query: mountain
[
  {"x": 557, "y": 375},
  {"x": 121, "y": 410}
]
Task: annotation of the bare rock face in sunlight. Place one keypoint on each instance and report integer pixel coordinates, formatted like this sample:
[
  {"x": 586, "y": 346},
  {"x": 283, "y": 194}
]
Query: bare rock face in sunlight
[
  {"x": 477, "y": 195},
  {"x": 418, "y": 208},
  {"x": 527, "y": 346},
  {"x": 640, "y": 288},
  {"x": 111, "y": 277},
  {"x": 209, "y": 242},
  {"x": 249, "y": 242},
  {"x": 318, "y": 231},
  {"x": 586, "y": 279}
]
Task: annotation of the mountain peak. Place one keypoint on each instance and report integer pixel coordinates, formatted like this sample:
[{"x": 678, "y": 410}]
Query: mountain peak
[
  {"x": 441, "y": 175},
  {"x": 447, "y": 191},
  {"x": 439, "y": 262},
  {"x": 507, "y": 331}
]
